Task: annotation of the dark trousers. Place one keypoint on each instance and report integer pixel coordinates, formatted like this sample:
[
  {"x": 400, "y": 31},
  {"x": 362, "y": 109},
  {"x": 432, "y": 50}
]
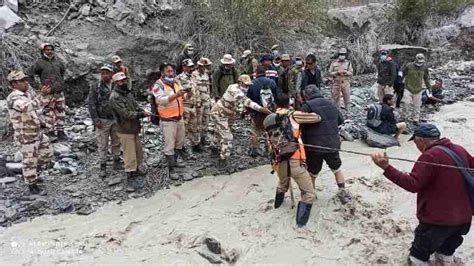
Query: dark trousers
[
  {"x": 442, "y": 239},
  {"x": 315, "y": 159}
]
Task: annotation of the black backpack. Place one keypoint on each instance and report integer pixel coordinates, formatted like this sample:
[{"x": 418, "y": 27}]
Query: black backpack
[
  {"x": 155, "y": 116},
  {"x": 373, "y": 115},
  {"x": 282, "y": 141}
]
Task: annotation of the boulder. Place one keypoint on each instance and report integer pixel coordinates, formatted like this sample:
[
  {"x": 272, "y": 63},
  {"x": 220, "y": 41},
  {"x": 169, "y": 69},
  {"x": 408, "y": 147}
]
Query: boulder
[
  {"x": 14, "y": 168},
  {"x": 466, "y": 19},
  {"x": 4, "y": 119},
  {"x": 59, "y": 148},
  {"x": 85, "y": 10},
  {"x": 8, "y": 18},
  {"x": 374, "y": 139},
  {"x": 403, "y": 54}
]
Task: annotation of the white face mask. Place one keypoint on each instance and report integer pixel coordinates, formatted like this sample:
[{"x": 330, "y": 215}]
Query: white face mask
[
  {"x": 190, "y": 52},
  {"x": 342, "y": 57},
  {"x": 169, "y": 79},
  {"x": 383, "y": 57},
  {"x": 277, "y": 65}
]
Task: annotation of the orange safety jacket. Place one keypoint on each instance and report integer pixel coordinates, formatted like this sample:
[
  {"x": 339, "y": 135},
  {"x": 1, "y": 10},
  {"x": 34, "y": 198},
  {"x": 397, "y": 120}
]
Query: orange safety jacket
[
  {"x": 170, "y": 111},
  {"x": 299, "y": 154}
]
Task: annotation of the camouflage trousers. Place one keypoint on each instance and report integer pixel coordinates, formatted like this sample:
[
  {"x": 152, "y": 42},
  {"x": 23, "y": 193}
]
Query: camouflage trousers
[
  {"x": 411, "y": 106},
  {"x": 344, "y": 88},
  {"x": 204, "y": 117},
  {"x": 193, "y": 125},
  {"x": 221, "y": 135},
  {"x": 54, "y": 113},
  {"x": 35, "y": 155},
  {"x": 103, "y": 135}
]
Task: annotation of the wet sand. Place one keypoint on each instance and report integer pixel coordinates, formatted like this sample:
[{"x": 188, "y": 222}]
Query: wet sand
[{"x": 237, "y": 210}]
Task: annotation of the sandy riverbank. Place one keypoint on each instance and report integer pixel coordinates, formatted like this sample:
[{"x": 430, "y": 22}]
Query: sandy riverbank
[{"x": 169, "y": 227}]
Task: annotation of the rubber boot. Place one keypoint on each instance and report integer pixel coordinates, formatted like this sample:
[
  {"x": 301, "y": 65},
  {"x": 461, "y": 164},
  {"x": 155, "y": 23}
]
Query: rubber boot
[
  {"x": 279, "y": 198},
  {"x": 170, "y": 159},
  {"x": 204, "y": 141},
  {"x": 139, "y": 172},
  {"x": 179, "y": 157},
  {"x": 130, "y": 174},
  {"x": 197, "y": 148},
  {"x": 253, "y": 152},
  {"x": 344, "y": 196},
  {"x": 61, "y": 135},
  {"x": 103, "y": 170},
  {"x": 302, "y": 213}
]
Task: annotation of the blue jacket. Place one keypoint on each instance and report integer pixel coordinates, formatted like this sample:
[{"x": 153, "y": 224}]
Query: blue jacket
[{"x": 254, "y": 91}]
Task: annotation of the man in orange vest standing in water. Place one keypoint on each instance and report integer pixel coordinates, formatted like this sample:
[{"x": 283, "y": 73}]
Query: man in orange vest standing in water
[{"x": 169, "y": 98}]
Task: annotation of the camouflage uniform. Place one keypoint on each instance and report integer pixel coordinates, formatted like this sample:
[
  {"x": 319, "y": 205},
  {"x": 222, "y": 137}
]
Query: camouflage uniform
[
  {"x": 51, "y": 70},
  {"x": 23, "y": 109},
  {"x": 341, "y": 83},
  {"x": 203, "y": 85},
  {"x": 233, "y": 99},
  {"x": 192, "y": 106}
]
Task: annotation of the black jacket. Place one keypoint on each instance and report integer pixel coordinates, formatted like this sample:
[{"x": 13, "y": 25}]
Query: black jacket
[
  {"x": 98, "y": 101},
  {"x": 126, "y": 111},
  {"x": 387, "y": 73},
  {"x": 326, "y": 132},
  {"x": 389, "y": 123},
  {"x": 308, "y": 78}
]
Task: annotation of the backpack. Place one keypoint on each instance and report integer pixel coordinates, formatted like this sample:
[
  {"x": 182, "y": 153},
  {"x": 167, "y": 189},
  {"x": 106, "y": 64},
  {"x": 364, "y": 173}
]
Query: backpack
[
  {"x": 468, "y": 175},
  {"x": 266, "y": 96},
  {"x": 155, "y": 116},
  {"x": 282, "y": 141},
  {"x": 373, "y": 115}
]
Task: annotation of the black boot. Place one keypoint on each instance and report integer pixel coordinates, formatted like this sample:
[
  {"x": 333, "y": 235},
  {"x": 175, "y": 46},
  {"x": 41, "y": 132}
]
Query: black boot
[
  {"x": 253, "y": 152},
  {"x": 279, "y": 197},
  {"x": 61, "y": 135},
  {"x": 139, "y": 172},
  {"x": 222, "y": 163},
  {"x": 117, "y": 165},
  {"x": 302, "y": 214},
  {"x": 197, "y": 148},
  {"x": 179, "y": 158},
  {"x": 130, "y": 175},
  {"x": 204, "y": 141},
  {"x": 170, "y": 159},
  {"x": 34, "y": 189},
  {"x": 103, "y": 170}
]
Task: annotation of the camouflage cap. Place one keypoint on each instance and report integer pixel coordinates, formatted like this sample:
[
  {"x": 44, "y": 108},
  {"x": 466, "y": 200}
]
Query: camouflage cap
[
  {"x": 285, "y": 57},
  {"x": 204, "y": 61},
  {"x": 188, "y": 62},
  {"x": 274, "y": 47},
  {"x": 342, "y": 51},
  {"x": 188, "y": 46},
  {"x": 116, "y": 59},
  {"x": 420, "y": 58},
  {"x": 245, "y": 79},
  {"x": 119, "y": 76},
  {"x": 16, "y": 75},
  {"x": 227, "y": 59}
]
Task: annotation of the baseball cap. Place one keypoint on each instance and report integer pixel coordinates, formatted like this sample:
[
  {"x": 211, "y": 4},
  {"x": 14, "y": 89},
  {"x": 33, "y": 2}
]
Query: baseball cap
[
  {"x": 16, "y": 75},
  {"x": 119, "y": 76},
  {"x": 426, "y": 130},
  {"x": 116, "y": 59},
  {"x": 44, "y": 45},
  {"x": 108, "y": 67},
  {"x": 246, "y": 53},
  {"x": 285, "y": 57}
]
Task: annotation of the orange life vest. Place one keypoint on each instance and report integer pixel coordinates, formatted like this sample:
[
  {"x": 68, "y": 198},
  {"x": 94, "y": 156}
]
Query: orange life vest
[
  {"x": 173, "y": 110},
  {"x": 299, "y": 154}
]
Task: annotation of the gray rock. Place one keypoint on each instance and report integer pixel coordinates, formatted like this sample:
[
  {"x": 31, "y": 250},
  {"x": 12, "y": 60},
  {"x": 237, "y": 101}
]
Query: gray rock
[
  {"x": 12, "y": 214},
  {"x": 7, "y": 180},
  {"x": 174, "y": 176},
  {"x": 85, "y": 10},
  {"x": 187, "y": 177},
  {"x": 14, "y": 168},
  {"x": 59, "y": 148},
  {"x": 213, "y": 245},
  {"x": 18, "y": 157},
  {"x": 37, "y": 204},
  {"x": 374, "y": 139},
  {"x": 211, "y": 257},
  {"x": 114, "y": 181}
]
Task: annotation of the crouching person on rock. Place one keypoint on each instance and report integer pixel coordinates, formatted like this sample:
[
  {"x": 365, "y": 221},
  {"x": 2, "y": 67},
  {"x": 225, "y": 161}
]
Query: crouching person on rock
[
  {"x": 101, "y": 113},
  {"x": 127, "y": 114},
  {"x": 288, "y": 155},
  {"x": 23, "y": 110},
  {"x": 445, "y": 196}
]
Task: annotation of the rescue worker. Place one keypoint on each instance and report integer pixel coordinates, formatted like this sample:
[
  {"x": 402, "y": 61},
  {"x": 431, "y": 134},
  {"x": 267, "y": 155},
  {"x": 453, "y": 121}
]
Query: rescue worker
[
  {"x": 276, "y": 64},
  {"x": 311, "y": 75},
  {"x": 192, "y": 105},
  {"x": 340, "y": 72},
  {"x": 101, "y": 113},
  {"x": 274, "y": 50},
  {"x": 224, "y": 76},
  {"x": 324, "y": 134},
  {"x": 444, "y": 205},
  {"x": 270, "y": 71},
  {"x": 225, "y": 108},
  {"x": 386, "y": 75},
  {"x": 119, "y": 66},
  {"x": 263, "y": 91},
  {"x": 295, "y": 166},
  {"x": 127, "y": 114},
  {"x": 415, "y": 74},
  {"x": 169, "y": 98},
  {"x": 51, "y": 72},
  {"x": 250, "y": 63},
  {"x": 188, "y": 53},
  {"x": 23, "y": 110},
  {"x": 203, "y": 86},
  {"x": 283, "y": 78},
  {"x": 293, "y": 85}
]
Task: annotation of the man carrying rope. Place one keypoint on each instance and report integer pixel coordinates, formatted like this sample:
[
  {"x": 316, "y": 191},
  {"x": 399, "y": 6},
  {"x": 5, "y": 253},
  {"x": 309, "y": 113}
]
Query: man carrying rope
[{"x": 445, "y": 194}]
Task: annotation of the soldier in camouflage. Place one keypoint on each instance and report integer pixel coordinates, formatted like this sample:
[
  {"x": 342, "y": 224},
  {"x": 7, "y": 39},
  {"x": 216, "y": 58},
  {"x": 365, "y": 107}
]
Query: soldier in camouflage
[
  {"x": 202, "y": 80},
  {"x": 192, "y": 105},
  {"x": 23, "y": 109},
  {"x": 51, "y": 72},
  {"x": 226, "y": 108}
]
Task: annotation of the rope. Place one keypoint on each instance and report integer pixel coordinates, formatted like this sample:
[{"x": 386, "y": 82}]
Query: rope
[{"x": 370, "y": 155}]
